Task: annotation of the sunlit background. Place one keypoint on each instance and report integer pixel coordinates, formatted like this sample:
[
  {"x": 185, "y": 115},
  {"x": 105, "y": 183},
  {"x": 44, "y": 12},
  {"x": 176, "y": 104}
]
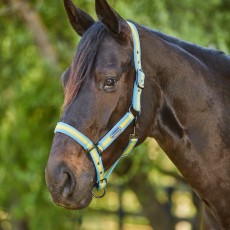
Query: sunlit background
[{"x": 36, "y": 45}]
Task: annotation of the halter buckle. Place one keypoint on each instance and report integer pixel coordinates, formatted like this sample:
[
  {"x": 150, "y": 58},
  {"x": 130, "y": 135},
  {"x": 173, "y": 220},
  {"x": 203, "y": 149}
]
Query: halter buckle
[{"x": 140, "y": 79}]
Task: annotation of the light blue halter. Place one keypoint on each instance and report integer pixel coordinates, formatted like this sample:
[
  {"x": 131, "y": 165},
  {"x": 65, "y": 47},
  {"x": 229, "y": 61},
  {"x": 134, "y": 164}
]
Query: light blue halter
[{"x": 95, "y": 150}]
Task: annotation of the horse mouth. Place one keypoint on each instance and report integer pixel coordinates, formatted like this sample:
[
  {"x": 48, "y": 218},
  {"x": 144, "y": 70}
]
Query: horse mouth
[
  {"x": 69, "y": 189},
  {"x": 72, "y": 203},
  {"x": 71, "y": 197}
]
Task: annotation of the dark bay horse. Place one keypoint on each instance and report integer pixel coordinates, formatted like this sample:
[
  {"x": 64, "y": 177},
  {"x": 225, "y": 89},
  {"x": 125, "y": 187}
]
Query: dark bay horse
[{"x": 185, "y": 107}]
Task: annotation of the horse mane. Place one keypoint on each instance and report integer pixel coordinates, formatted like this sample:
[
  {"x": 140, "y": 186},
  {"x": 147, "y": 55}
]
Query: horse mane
[
  {"x": 83, "y": 61},
  {"x": 212, "y": 58}
]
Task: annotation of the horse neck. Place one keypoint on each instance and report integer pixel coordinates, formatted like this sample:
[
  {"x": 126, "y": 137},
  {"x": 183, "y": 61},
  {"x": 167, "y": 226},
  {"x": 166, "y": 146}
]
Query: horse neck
[
  {"x": 188, "y": 89},
  {"x": 192, "y": 117}
]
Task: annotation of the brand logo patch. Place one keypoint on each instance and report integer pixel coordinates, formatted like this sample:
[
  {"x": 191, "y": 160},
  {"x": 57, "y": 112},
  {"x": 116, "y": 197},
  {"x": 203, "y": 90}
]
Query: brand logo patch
[{"x": 116, "y": 132}]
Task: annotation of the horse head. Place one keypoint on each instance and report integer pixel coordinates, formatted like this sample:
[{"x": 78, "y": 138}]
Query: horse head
[{"x": 98, "y": 90}]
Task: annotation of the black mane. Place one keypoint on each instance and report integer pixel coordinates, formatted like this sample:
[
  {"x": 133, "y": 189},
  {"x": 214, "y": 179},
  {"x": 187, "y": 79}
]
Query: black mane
[{"x": 217, "y": 60}]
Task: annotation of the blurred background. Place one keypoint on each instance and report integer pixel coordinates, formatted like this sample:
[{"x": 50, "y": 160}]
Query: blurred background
[{"x": 36, "y": 45}]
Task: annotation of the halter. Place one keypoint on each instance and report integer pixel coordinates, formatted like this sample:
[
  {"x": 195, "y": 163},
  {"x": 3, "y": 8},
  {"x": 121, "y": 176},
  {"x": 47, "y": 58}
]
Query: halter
[{"x": 95, "y": 150}]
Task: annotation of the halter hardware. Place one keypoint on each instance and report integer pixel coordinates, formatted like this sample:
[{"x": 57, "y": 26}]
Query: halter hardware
[
  {"x": 99, "y": 196},
  {"x": 140, "y": 83},
  {"x": 95, "y": 150}
]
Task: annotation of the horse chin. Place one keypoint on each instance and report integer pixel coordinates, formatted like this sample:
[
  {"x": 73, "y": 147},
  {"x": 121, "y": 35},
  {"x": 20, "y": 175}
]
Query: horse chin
[{"x": 73, "y": 203}]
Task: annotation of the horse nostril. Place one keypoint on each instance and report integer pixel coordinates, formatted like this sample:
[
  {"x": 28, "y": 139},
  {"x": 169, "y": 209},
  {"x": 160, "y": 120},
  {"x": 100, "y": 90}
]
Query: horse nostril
[{"x": 68, "y": 183}]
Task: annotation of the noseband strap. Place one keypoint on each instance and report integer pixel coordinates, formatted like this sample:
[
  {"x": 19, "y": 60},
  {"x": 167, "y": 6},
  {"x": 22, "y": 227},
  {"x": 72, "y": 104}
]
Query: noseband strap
[{"x": 95, "y": 150}]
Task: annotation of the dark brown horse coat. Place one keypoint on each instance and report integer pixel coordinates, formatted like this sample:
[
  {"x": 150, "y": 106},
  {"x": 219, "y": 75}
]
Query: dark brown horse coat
[{"x": 185, "y": 107}]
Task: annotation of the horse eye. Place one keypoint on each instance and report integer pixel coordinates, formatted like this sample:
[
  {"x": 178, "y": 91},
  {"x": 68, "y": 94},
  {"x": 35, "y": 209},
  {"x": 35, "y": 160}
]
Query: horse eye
[{"x": 110, "y": 82}]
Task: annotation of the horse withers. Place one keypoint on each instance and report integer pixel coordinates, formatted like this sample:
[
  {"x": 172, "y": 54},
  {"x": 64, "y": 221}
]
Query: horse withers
[{"x": 184, "y": 100}]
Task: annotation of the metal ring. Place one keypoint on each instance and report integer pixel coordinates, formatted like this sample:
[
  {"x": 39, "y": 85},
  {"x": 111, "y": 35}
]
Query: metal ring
[{"x": 101, "y": 196}]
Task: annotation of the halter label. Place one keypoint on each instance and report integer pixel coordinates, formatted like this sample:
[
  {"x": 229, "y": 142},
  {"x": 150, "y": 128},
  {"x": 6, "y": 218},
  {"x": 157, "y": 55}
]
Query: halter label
[{"x": 116, "y": 132}]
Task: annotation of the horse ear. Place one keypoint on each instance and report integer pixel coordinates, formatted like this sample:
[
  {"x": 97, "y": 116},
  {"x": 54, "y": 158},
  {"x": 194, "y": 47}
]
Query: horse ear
[
  {"x": 112, "y": 20},
  {"x": 78, "y": 18}
]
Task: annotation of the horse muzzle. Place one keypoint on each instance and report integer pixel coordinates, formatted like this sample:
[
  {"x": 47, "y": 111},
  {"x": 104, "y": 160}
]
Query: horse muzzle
[
  {"x": 65, "y": 190},
  {"x": 69, "y": 183}
]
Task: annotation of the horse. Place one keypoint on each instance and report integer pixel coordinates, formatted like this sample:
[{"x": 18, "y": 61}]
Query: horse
[{"x": 185, "y": 107}]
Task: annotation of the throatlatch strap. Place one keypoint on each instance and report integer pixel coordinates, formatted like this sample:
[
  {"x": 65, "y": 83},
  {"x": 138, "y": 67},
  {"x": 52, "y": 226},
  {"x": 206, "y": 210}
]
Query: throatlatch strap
[
  {"x": 128, "y": 150},
  {"x": 132, "y": 143}
]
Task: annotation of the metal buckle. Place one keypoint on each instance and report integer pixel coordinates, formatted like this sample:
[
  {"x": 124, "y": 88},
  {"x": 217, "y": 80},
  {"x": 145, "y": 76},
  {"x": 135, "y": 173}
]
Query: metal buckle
[
  {"x": 104, "y": 190},
  {"x": 140, "y": 87},
  {"x": 139, "y": 71},
  {"x": 99, "y": 196},
  {"x": 134, "y": 136}
]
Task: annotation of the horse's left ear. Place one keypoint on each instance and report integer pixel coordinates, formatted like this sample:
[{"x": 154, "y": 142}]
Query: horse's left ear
[{"x": 112, "y": 20}]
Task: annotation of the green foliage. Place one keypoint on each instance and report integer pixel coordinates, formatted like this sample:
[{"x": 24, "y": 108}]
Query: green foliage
[{"x": 31, "y": 95}]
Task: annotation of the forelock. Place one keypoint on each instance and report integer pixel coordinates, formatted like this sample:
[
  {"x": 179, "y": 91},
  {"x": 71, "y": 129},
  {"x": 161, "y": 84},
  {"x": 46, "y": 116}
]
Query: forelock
[{"x": 83, "y": 61}]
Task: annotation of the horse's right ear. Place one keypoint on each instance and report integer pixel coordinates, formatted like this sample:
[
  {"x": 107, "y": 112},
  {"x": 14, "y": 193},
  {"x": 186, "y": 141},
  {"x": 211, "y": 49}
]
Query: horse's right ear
[{"x": 79, "y": 19}]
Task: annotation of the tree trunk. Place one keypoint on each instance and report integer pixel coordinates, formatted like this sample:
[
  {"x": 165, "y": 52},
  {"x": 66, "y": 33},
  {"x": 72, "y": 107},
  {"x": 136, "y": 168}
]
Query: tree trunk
[
  {"x": 36, "y": 26},
  {"x": 157, "y": 214}
]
